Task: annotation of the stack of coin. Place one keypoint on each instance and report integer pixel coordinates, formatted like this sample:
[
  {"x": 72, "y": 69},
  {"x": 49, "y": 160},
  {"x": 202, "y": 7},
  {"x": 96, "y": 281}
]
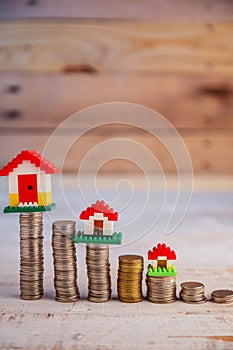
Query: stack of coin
[
  {"x": 192, "y": 292},
  {"x": 222, "y": 296},
  {"x": 129, "y": 282},
  {"x": 161, "y": 289},
  {"x": 98, "y": 272},
  {"x": 64, "y": 257},
  {"x": 31, "y": 255}
]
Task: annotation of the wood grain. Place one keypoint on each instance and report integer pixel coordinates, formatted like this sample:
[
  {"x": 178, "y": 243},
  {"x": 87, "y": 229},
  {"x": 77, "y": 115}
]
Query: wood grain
[
  {"x": 203, "y": 240},
  {"x": 210, "y": 152},
  {"x": 116, "y": 47},
  {"x": 180, "y": 66},
  {"x": 44, "y": 101},
  {"x": 185, "y": 10}
]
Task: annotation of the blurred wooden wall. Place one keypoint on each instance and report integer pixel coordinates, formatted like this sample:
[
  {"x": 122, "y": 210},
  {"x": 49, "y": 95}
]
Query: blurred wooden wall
[{"x": 174, "y": 56}]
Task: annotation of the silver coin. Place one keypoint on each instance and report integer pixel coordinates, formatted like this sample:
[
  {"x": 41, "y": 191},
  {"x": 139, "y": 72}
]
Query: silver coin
[
  {"x": 98, "y": 272},
  {"x": 161, "y": 289},
  {"x": 222, "y": 296},
  {"x": 192, "y": 292},
  {"x": 65, "y": 261},
  {"x": 31, "y": 255}
]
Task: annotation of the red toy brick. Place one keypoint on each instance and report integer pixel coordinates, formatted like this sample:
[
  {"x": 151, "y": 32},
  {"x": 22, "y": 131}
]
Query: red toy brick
[
  {"x": 99, "y": 207},
  {"x": 28, "y": 184},
  {"x": 161, "y": 250},
  {"x": 34, "y": 158}
]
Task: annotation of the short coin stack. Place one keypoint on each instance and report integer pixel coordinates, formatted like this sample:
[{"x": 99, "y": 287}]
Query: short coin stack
[
  {"x": 161, "y": 289},
  {"x": 193, "y": 292},
  {"x": 31, "y": 255},
  {"x": 129, "y": 282},
  {"x": 222, "y": 296},
  {"x": 64, "y": 256},
  {"x": 98, "y": 272}
]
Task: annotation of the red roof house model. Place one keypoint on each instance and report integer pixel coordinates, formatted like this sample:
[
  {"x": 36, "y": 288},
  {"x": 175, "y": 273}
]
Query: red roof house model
[
  {"x": 161, "y": 250},
  {"x": 99, "y": 207},
  {"x": 29, "y": 177},
  {"x": 34, "y": 158},
  {"x": 98, "y": 225}
]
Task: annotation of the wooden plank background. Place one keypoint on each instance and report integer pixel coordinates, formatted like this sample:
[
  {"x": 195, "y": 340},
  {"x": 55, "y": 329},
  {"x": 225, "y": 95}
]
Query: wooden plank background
[
  {"x": 174, "y": 57},
  {"x": 116, "y": 47},
  {"x": 157, "y": 10}
]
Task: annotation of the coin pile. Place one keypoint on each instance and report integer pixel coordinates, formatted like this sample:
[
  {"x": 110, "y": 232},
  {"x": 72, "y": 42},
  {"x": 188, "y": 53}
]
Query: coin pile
[
  {"x": 222, "y": 296},
  {"x": 129, "y": 282},
  {"x": 192, "y": 292},
  {"x": 64, "y": 257},
  {"x": 31, "y": 255},
  {"x": 161, "y": 289},
  {"x": 98, "y": 272}
]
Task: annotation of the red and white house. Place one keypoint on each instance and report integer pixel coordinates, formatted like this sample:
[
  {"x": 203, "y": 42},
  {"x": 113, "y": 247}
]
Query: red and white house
[
  {"x": 99, "y": 219},
  {"x": 29, "y": 177},
  {"x": 161, "y": 256}
]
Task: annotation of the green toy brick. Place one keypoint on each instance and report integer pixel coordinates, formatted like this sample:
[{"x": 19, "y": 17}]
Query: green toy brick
[
  {"x": 29, "y": 209},
  {"x": 161, "y": 271},
  {"x": 80, "y": 237}
]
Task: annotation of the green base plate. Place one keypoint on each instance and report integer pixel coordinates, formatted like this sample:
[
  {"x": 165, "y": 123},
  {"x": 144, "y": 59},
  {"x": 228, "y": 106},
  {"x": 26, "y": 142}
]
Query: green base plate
[
  {"x": 114, "y": 239},
  {"x": 161, "y": 271},
  {"x": 30, "y": 209}
]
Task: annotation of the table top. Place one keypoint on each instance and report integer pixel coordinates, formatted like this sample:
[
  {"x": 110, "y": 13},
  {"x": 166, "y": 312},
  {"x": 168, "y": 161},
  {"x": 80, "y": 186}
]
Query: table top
[{"x": 204, "y": 245}]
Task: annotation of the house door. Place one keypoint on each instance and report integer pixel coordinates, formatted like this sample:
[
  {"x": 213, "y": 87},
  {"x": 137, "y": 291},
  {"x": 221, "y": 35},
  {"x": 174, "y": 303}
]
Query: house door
[
  {"x": 98, "y": 227},
  {"x": 162, "y": 263},
  {"x": 27, "y": 188}
]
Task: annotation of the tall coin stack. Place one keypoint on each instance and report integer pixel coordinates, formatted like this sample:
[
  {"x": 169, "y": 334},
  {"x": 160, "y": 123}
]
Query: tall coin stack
[
  {"x": 161, "y": 289},
  {"x": 98, "y": 272},
  {"x": 192, "y": 292},
  {"x": 129, "y": 282},
  {"x": 64, "y": 257},
  {"x": 31, "y": 255}
]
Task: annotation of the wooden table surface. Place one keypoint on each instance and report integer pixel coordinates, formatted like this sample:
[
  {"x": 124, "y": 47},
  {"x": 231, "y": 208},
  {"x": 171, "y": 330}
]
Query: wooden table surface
[{"x": 204, "y": 245}]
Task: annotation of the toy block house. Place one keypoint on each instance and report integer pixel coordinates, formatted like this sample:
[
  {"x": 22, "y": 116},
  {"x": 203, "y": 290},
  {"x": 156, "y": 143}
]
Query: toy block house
[
  {"x": 161, "y": 258},
  {"x": 99, "y": 219},
  {"x": 29, "y": 182},
  {"x": 98, "y": 226}
]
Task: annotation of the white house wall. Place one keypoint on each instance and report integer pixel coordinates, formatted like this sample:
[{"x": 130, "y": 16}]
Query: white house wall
[
  {"x": 107, "y": 225},
  {"x": 26, "y": 167},
  {"x": 154, "y": 263},
  {"x": 13, "y": 183},
  {"x": 108, "y": 228},
  {"x": 162, "y": 258},
  {"x": 98, "y": 216},
  {"x": 88, "y": 227},
  {"x": 44, "y": 182}
]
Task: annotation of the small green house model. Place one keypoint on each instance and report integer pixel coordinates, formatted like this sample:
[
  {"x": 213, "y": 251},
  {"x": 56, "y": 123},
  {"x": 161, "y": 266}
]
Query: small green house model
[
  {"x": 98, "y": 225},
  {"x": 161, "y": 261}
]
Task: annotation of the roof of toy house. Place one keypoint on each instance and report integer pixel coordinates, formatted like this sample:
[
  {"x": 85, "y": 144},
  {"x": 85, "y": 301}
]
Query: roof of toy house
[
  {"x": 99, "y": 207},
  {"x": 35, "y": 158},
  {"x": 161, "y": 250}
]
